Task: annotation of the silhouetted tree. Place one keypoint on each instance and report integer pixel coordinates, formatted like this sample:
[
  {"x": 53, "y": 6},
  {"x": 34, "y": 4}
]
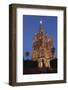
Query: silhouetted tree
[{"x": 27, "y": 54}]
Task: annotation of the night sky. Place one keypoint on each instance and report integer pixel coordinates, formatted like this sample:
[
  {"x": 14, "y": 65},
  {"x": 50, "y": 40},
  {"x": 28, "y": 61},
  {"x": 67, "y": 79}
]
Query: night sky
[{"x": 31, "y": 26}]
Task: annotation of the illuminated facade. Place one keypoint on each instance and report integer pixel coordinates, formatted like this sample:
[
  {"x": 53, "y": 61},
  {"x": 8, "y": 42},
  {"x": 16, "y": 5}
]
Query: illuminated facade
[{"x": 42, "y": 49}]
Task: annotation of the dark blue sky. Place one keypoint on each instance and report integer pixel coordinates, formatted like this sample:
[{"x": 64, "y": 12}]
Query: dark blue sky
[{"x": 31, "y": 26}]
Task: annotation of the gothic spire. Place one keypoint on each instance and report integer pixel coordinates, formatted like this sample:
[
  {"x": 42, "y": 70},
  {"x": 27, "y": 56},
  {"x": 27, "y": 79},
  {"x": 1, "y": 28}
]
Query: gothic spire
[{"x": 41, "y": 26}]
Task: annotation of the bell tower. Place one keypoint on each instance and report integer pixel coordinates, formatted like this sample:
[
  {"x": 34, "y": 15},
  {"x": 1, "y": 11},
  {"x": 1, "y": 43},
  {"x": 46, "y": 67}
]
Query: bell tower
[{"x": 41, "y": 49}]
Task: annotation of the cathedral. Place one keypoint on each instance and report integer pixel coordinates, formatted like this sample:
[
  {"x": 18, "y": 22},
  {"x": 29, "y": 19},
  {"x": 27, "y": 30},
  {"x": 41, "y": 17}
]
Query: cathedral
[{"x": 42, "y": 48}]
